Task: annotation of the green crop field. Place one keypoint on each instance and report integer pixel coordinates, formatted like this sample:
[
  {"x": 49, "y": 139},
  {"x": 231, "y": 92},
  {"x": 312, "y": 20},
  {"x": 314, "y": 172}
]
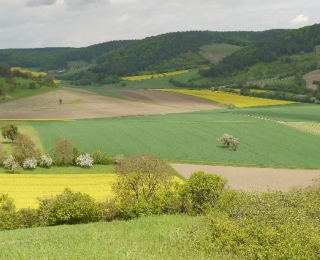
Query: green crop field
[
  {"x": 288, "y": 113},
  {"x": 192, "y": 137}
]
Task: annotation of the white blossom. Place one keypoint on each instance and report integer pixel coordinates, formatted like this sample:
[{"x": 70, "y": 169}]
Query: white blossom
[
  {"x": 84, "y": 160},
  {"x": 29, "y": 163}
]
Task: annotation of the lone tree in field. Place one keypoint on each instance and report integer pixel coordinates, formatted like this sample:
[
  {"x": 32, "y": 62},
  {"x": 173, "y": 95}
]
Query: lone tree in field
[
  {"x": 63, "y": 150},
  {"x": 24, "y": 148},
  {"x": 9, "y": 131},
  {"x": 230, "y": 141}
]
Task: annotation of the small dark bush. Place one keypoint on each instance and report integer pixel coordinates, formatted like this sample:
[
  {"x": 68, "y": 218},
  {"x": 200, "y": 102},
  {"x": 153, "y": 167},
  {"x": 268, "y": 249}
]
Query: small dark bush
[
  {"x": 68, "y": 208},
  {"x": 27, "y": 218},
  {"x": 8, "y": 216}
]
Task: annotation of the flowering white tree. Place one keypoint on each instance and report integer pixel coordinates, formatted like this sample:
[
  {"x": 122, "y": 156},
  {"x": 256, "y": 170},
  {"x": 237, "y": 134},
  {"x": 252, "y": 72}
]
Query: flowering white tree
[
  {"x": 230, "y": 141},
  {"x": 29, "y": 163},
  {"x": 10, "y": 163},
  {"x": 84, "y": 160},
  {"x": 46, "y": 161}
]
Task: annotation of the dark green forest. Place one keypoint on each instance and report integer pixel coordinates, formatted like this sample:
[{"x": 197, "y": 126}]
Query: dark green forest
[{"x": 292, "y": 42}]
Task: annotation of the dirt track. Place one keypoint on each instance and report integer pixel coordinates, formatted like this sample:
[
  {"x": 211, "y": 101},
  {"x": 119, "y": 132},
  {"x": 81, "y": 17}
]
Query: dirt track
[{"x": 261, "y": 179}]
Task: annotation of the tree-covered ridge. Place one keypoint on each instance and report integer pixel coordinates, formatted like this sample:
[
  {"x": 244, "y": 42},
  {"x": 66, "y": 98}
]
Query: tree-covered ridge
[
  {"x": 56, "y": 58},
  {"x": 154, "y": 51},
  {"x": 291, "y": 42}
]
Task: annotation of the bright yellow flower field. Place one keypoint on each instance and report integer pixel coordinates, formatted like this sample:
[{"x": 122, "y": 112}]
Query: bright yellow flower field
[
  {"x": 152, "y": 76},
  {"x": 26, "y": 188},
  {"x": 227, "y": 98}
]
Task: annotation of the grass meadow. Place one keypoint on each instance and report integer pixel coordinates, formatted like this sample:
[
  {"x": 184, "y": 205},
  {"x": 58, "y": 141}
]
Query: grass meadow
[
  {"x": 192, "y": 137},
  {"x": 157, "y": 237}
]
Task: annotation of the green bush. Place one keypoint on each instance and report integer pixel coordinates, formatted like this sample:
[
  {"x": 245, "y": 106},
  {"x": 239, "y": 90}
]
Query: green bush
[
  {"x": 202, "y": 190},
  {"x": 145, "y": 186},
  {"x": 269, "y": 225},
  {"x": 101, "y": 158},
  {"x": 68, "y": 208},
  {"x": 27, "y": 218},
  {"x": 8, "y": 216}
]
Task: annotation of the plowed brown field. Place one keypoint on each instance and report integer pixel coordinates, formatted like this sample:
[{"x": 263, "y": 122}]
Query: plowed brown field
[{"x": 85, "y": 104}]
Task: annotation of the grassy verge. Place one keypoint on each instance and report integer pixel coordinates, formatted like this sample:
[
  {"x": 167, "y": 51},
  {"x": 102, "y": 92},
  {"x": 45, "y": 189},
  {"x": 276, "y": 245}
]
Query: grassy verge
[{"x": 158, "y": 237}]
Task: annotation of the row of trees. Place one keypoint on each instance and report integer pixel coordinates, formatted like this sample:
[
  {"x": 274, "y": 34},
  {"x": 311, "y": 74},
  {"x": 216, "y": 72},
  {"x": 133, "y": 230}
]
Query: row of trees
[{"x": 26, "y": 155}]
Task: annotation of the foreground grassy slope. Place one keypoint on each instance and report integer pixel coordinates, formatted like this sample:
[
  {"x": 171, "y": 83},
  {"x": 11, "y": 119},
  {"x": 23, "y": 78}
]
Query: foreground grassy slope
[
  {"x": 192, "y": 137},
  {"x": 161, "y": 237}
]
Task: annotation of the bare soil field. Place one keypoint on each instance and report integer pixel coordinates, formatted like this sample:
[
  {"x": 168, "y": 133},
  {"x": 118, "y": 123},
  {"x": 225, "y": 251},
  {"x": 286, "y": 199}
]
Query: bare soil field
[
  {"x": 310, "y": 77},
  {"x": 260, "y": 179},
  {"x": 85, "y": 104}
]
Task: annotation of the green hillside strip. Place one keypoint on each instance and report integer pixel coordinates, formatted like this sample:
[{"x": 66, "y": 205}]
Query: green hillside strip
[
  {"x": 191, "y": 137},
  {"x": 159, "y": 237}
]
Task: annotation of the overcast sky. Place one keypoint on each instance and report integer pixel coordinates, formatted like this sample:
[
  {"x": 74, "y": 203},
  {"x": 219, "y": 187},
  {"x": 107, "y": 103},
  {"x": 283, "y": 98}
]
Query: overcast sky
[{"x": 79, "y": 23}]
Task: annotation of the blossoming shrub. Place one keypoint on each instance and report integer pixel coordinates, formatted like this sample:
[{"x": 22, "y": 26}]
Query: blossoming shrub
[
  {"x": 46, "y": 161},
  {"x": 11, "y": 164},
  {"x": 230, "y": 141},
  {"x": 84, "y": 160},
  {"x": 29, "y": 163}
]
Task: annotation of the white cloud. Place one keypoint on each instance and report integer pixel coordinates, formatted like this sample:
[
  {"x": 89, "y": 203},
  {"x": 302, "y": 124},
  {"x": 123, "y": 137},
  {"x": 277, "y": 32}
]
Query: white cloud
[
  {"x": 33, "y": 3},
  {"x": 300, "y": 18},
  {"x": 78, "y": 23}
]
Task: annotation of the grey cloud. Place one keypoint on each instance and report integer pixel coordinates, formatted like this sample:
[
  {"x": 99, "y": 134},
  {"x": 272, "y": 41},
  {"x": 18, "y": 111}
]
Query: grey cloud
[
  {"x": 84, "y": 2},
  {"x": 33, "y": 3}
]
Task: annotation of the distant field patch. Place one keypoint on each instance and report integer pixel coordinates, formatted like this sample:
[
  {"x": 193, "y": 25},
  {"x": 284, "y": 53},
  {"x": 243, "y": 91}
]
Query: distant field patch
[
  {"x": 227, "y": 98},
  {"x": 152, "y": 76},
  {"x": 310, "y": 127},
  {"x": 34, "y": 73}
]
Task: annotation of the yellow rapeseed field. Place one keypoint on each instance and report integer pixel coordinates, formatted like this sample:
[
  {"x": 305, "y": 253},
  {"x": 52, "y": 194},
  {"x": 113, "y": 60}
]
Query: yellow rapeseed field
[
  {"x": 227, "y": 98},
  {"x": 26, "y": 188},
  {"x": 150, "y": 76},
  {"x": 34, "y": 73}
]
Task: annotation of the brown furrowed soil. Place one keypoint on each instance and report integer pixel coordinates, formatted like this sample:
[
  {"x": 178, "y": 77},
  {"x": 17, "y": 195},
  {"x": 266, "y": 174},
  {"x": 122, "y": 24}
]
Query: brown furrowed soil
[
  {"x": 85, "y": 104},
  {"x": 310, "y": 77},
  {"x": 260, "y": 179}
]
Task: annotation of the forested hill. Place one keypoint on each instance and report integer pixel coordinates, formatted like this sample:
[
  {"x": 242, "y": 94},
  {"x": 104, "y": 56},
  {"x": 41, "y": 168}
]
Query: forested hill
[
  {"x": 150, "y": 52},
  {"x": 56, "y": 58},
  {"x": 291, "y": 42}
]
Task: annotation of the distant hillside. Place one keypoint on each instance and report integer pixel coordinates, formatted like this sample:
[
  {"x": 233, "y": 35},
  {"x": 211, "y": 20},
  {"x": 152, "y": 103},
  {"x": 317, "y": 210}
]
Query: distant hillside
[
  {"x": 302, "y": 40},
  {"x": 56, "y": 58},
  {"x": 152, "y": 52}
]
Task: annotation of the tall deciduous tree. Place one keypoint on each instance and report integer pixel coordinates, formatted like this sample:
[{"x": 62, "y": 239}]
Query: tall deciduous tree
[
  {"x": 9, "y": 131},
  {"x": 24, "y": 148},
  {"x": 63, "y": 150}
]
